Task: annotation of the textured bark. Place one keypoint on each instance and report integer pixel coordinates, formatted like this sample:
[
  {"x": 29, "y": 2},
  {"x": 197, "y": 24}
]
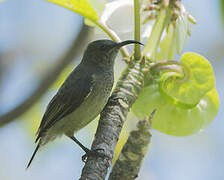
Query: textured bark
[
  {"x": 111, "y": 121},
  {"x": 50, "y": 76},
  {"x": 131, "y": 157}
]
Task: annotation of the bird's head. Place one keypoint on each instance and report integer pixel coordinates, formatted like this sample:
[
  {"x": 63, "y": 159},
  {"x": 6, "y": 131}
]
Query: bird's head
[{"x": 103, "y": 52}]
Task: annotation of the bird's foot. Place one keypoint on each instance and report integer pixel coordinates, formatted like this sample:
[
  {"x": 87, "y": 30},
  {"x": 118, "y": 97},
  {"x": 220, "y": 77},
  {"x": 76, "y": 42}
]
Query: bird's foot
[{"x": 94, "y": 153}]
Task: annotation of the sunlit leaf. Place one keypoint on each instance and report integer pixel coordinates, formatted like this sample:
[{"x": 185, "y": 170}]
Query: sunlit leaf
[
  {"x": 173, "y": 120},
  {"x": 155, "y": 36},
  {"x": 183, "y": 107},
  {"x": 188, "y": 92},
  {"x": 82, "y": 7},
  {"x": 168, "y": 45},
  {"x": 98, "y": 5},
  {"x": 181, "y": 32}
]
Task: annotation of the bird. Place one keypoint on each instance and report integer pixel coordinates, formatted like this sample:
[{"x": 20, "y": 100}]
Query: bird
[{"x": 82, "y": 96}]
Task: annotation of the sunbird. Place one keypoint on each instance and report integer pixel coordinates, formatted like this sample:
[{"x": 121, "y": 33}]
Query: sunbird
[{"x": 82, "y": 96}]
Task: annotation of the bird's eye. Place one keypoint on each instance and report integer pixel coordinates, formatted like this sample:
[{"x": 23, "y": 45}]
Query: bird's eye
[{"x": 103, "y": 48}]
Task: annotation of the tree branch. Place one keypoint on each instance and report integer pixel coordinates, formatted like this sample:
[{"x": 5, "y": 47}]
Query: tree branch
[
  {"x": 112, "y": 119},
  {"x": 50, "y": 76},
  {"x": 130, "y": 159}
]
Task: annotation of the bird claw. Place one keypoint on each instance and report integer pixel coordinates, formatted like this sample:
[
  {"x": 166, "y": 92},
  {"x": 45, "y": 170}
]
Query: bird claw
[{"x": 93, "y": 153}]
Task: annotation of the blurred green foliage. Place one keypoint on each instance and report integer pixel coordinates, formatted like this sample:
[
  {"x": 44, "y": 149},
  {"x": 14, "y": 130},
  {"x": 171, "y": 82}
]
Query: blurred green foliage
[
  {"x": 61, "y": 78},
  {"x": 222, "y": 9},
  {"x": 32, "y": 118}
]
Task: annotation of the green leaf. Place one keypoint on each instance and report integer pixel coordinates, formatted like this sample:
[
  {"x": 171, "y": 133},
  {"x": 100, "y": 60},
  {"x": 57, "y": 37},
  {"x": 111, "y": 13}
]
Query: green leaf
[
  {"x": 175, "y": 38},
  {"x": 171, "y": 119},
  {"x": 185, "y": 103},
  {"x": 98, "y": 5},
  {"x": 200, "y": 79},
  {"x": 181, "y": 32},
  {"x": 157, "y": 30},
  {"x": 167, "y": 46},
  {"x": 82, "y": 7}
]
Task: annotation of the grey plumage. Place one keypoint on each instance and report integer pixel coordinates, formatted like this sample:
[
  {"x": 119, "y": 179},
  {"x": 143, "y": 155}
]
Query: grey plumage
[{"x": 83, "y": 95}]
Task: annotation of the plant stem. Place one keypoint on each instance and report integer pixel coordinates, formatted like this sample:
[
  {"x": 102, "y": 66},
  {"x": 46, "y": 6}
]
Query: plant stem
[
  {"x": 113, "y": 36},
  {"x": 137, "y": 50},
  {"x": 133, "y": 153}
]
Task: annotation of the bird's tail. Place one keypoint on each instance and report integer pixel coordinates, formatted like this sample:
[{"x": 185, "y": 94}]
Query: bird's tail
[{"x": 34, "y": 153}]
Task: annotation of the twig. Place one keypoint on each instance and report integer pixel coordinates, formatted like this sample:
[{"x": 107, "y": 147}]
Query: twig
[
  {"x": 49, "y": 77},
  {"x": 111, "y": 121},
  {"x": 137, "y": 31},
  {"x": 134, "y": 151}
]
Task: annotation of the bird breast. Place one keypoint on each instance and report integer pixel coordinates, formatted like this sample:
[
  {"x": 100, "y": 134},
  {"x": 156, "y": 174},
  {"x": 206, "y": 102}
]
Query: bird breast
[{"x": 92, "y": 105}]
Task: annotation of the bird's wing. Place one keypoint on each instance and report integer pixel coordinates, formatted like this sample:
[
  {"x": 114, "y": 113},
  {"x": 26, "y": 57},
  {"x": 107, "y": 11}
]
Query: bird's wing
[{"x": 69, "y": 97}]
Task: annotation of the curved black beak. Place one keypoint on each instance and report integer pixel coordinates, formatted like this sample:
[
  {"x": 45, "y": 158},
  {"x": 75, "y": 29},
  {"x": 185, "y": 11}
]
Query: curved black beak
[{"x": 123, "y": 43}]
